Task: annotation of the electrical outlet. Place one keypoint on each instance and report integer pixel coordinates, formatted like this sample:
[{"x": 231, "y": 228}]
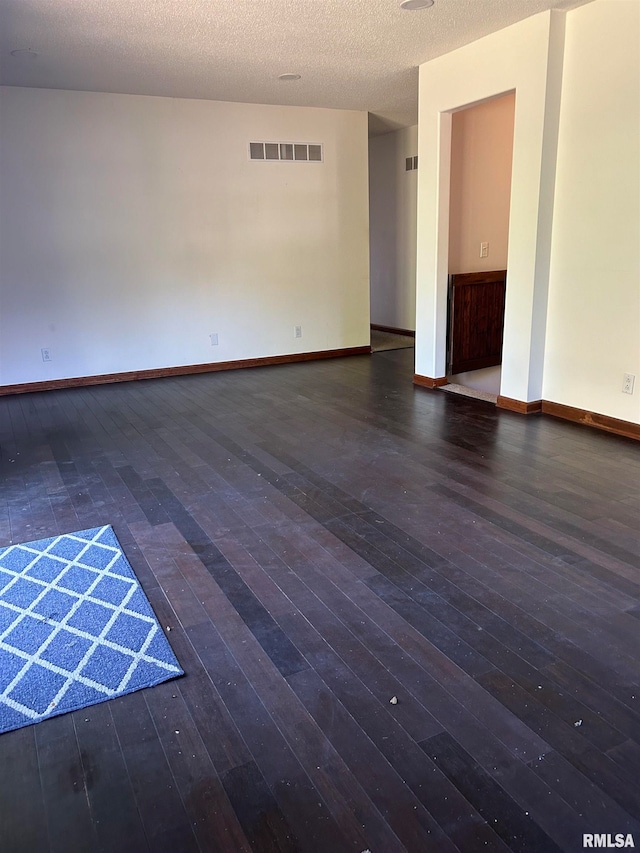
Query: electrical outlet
[
  {"x": 297, "y": 331},
  {"x": 46, "y": 354},
  {"x": 628, "y": 381},
  {"x": 484, "y": 250},
  {"x": 214, "y": 339}
]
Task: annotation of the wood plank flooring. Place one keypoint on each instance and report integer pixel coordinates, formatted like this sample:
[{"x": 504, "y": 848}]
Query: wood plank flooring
[{"x": 320, "y": 538}]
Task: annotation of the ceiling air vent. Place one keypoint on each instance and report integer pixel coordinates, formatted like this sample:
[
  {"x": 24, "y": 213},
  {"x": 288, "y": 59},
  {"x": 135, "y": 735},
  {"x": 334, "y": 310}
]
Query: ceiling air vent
[{"x": 301, "y": 152}]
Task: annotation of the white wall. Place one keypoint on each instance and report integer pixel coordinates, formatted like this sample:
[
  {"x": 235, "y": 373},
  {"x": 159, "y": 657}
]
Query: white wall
[
  {"x": 392, "y": 211},
  {"x": 481, "y": 154},
  {"x": 527, "y": 58},
  {"x": 133, "y": 227},
  {"x": 593, "y": 330},
  {"x": 572, "y": 325}
]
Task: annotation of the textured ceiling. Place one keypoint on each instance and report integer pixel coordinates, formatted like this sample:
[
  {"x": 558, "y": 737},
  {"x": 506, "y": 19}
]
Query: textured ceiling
[{"x": 361, "y": 54}]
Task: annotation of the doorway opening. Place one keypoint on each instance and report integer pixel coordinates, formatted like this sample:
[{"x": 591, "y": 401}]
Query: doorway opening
[
  {"x": 479, "y": 202},
  {"x": 393, "y": 178}
]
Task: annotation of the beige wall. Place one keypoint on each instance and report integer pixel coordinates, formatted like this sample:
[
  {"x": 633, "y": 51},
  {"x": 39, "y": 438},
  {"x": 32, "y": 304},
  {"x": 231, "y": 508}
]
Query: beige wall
[
  {"x": 593, "y": 327},
  {"x": 392, "y": 217},
  {"x": 134, "y": 227},
  {"x": 572, "y": 326},
  {"x": 481, "y": 154},
  {"x": 525, "y": 58}
]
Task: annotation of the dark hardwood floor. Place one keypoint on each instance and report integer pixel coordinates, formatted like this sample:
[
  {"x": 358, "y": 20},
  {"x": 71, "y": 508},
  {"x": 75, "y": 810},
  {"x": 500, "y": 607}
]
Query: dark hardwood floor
[{"x": 320, "y": 538}]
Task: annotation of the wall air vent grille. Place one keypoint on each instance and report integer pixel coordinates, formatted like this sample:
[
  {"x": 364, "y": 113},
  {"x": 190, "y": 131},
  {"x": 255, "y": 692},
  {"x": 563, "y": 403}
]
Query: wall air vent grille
[{"x": 301, "y": 152}]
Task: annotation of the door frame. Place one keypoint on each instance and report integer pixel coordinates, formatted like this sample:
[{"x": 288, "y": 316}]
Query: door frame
[{"x": 525, "y": 58}]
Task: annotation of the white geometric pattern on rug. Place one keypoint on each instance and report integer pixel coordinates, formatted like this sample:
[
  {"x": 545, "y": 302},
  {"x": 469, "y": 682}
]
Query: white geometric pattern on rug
[{"x": 75, "y": 627}]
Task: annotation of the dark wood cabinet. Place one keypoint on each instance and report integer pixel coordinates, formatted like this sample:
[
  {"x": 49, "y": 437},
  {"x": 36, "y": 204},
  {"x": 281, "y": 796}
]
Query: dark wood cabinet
[{"x": 476, "y": 320}]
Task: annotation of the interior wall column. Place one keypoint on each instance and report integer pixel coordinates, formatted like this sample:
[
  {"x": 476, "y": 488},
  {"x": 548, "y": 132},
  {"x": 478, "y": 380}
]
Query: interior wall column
[{"x": 527, "y": 58}]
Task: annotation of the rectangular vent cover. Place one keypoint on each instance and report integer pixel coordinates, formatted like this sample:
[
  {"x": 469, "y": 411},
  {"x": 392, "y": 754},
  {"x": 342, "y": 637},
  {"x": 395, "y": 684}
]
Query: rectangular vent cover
[
  {"x": 302, "y": 152},
  {"x": 411, "y": 163}
]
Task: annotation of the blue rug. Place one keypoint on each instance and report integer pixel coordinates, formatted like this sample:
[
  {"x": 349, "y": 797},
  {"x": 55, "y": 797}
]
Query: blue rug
[{"x": 75, "y": 628}]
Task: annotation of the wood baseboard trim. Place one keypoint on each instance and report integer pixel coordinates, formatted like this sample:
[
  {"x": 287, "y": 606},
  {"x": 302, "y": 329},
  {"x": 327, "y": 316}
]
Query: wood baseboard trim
[
  {"x": 428, "y": 381},
  {"x": 182, "y": 370},
  {"x": 378, "y": 328},
  {"x": 519, "y": 406},
  {"x": 592, "y": 419}
]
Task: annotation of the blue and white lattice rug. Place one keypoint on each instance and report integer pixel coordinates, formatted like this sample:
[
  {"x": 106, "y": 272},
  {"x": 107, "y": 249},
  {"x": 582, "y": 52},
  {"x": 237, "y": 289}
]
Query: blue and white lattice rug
[{"x": 75, "y": 628}]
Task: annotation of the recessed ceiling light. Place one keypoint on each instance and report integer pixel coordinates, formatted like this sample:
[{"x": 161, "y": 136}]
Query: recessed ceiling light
[
  {"x": 24, "y": 53},
  {"x": 289, "y": 76},
  {"x": 414, "y": 5}
]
